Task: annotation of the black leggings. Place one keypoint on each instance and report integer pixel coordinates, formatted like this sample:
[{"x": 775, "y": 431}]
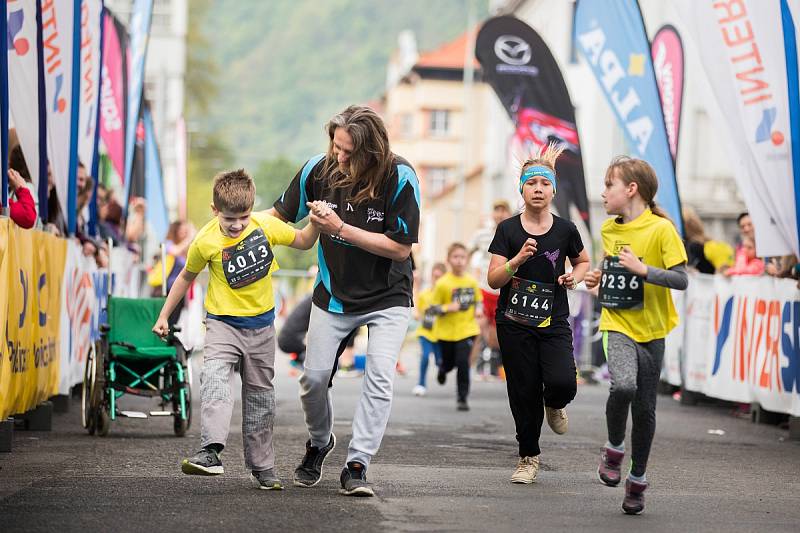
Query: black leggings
[
  {"x": 455, "y": 354},
  {"x": 540, "y": 370}
]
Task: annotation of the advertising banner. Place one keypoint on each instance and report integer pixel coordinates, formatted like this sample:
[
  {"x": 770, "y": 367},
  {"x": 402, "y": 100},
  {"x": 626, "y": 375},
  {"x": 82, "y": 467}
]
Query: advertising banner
[
  {"x": 742, "y": 340},
  {"x": 113, "y": 94},
  {"x": 61, "y": 74},
  {"x": 89, "y": 98},
  {"x": 23, "y": 80},
  {"x": 743, "y": 52},
  {"x": 611, "y": 36},
  {"x": 29, "y": 366},
  {"x": 526, "y": 78},
  {"x": 139, "y": 36},
  {"x": 667, "y": 52}
]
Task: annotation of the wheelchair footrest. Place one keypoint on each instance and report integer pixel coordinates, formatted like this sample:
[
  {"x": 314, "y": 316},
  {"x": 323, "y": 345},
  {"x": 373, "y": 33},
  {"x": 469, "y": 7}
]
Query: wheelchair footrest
[
  {"x": 132, "y": 414},
  {"x": 161, "y": 413}
]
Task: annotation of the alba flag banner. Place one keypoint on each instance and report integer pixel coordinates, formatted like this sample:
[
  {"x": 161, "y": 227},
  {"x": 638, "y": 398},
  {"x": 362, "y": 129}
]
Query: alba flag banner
[
  {"x": 612, "y": 38},
  {"x": 743, "y": 48}
]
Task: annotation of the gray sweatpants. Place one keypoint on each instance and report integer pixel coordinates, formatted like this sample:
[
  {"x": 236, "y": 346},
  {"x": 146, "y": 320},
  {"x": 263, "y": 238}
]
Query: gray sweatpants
[
  {"x": 225, "y": 345},
  {"x": 635, "y": 369},
  {"x": 326, "y": 331}
]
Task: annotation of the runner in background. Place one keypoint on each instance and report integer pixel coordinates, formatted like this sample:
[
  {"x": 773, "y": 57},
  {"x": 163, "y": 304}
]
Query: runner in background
[
  {"x": 459, "y": 297},
  {"x": 645, "y": 258},
  {"x": 426, "y": 314},
  {"x": 486, "y": 351}
]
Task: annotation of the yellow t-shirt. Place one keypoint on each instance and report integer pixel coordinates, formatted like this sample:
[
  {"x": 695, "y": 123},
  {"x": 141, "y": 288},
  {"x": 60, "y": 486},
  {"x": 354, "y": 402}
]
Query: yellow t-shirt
[
  {"x": 656, "y": 242},
  {"x": 240, "y": 269},
  {"x": 458, "y": 325},
  {"x": 424, "y": 300}
]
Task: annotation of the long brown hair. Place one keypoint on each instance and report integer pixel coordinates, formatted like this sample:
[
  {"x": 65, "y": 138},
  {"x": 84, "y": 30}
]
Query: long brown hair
[
  {"x": 632, "y": 170},
  {"x": 695, "y": 232},
  {"x": 370, "y": 161}
]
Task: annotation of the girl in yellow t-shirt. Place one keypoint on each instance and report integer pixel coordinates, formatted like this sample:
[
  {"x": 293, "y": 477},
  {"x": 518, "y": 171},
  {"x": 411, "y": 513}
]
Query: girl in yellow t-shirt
[
  {"x": 644, "y": 259},
  {"x": 426, "y": 312}
]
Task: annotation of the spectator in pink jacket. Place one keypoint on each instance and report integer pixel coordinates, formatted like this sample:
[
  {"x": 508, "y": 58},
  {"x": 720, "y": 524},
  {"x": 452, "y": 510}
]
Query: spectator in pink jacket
[
  {"x": 747, "y": 264},
  {"x": 21, "y": 204}
]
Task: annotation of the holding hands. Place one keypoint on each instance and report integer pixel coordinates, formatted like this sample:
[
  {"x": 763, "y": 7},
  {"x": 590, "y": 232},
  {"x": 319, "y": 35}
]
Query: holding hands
[{"x": 324, "y": 218}]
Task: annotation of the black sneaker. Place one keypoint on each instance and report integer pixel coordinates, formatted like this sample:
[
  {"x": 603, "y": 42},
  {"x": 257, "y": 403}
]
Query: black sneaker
[
  {"x": 266, "y": 480},
  {"x": 206, "y": 462},
  {"x": 462, "y": 405},
  {"x": 309, "y": 472},
  {"x": 441, "y": 377},
  {"x": 354, "y": 480}
]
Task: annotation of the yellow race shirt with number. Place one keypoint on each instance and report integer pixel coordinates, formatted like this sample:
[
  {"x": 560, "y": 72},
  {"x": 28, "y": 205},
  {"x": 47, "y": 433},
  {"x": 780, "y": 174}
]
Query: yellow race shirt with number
[
  {"x": 656, "y": 242},
  {"x": 424, "y": 300},
  {"x": 240, "y": 269},
  {"x": 457, "y": 325}
]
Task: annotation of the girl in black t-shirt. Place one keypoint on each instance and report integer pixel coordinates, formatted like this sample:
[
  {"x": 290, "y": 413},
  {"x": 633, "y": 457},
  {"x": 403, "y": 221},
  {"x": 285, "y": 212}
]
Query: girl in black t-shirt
[{"x": 528, "y": 266}]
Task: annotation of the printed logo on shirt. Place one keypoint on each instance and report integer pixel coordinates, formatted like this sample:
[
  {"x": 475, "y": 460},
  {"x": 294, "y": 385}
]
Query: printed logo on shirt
[
  {"x": 350, "y": 207},
  {"x": 373, "y": 215},
  {"x": 618, "y": 246}
]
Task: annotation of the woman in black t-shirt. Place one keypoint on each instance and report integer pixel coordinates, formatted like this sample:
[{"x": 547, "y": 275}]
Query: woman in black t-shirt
[{"x": 528, "y": 266}]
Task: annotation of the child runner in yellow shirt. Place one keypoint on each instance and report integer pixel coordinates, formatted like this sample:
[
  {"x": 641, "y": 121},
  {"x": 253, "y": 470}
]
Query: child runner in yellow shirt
[
  {"x": 237, "y": 247},
  {"x": 528, "y": 265},
  {"x": 426, "y": 314},
  {"x": 645, "y": 258},
  {"x": 457, "y": 293}
]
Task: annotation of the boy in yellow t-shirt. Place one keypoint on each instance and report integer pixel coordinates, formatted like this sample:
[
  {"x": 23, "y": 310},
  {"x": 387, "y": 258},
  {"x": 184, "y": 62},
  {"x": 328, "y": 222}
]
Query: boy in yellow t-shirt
[
  {"x": 237, "y": 247},
  {"x": 458, "y": 294},
  {"x": 426, "y": 313}
]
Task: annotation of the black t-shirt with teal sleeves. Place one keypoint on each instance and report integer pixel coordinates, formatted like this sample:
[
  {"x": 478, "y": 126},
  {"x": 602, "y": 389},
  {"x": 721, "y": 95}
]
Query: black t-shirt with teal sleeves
[
  {"x": 562, "y": 240},
  {"x": 352, "y": 280}
]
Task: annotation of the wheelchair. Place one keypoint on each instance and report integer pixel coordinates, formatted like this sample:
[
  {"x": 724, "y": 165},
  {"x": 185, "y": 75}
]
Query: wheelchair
[{"x": 130, "y": 359}]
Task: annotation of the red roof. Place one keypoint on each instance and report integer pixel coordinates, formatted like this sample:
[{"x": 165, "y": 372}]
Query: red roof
[{"x": 449, "y": 55}]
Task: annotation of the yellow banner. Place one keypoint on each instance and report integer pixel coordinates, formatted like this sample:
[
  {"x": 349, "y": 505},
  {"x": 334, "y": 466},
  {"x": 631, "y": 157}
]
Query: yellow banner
[{"x": 32, "y": 270}]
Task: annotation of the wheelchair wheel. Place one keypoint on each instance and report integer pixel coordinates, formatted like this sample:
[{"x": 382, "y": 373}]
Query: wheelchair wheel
[
  {"x": 103, "y": 422},
  {"x": 87, "y": 407},
  {"x": 180, "y": 425}
]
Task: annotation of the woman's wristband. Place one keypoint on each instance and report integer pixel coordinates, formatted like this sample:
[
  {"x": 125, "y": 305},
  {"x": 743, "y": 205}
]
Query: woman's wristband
[
  {"x": 509, "y": 270},
  {"x": 339, "y": 231}
]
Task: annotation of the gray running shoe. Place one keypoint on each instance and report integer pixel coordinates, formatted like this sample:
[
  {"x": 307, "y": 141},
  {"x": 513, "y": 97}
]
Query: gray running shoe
[
  {"x": 206, "y": 462},
  {"x": 309, "y": 472},
  {"x": 354, "y": 480},
  {"x": 266, "y": 480}
]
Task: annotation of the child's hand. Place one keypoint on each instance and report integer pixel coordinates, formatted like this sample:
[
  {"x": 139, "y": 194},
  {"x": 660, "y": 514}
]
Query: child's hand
[
  {"x": 629, "y": 260},
  {"x": 528, "y": 250},
  {"x": 567, "y": 281},
  {"x": 592, "y": 278},
  {"x": 161, "y": 328}
]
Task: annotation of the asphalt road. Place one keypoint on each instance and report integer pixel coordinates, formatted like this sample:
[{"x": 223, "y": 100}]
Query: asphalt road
[{"x": 438, "y": 470}]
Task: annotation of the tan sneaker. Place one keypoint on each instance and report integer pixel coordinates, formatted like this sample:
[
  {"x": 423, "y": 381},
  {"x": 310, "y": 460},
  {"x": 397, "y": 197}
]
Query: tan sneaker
[
  {"x": 557, "y": 420},
  {"x": 527, "y": 469}
]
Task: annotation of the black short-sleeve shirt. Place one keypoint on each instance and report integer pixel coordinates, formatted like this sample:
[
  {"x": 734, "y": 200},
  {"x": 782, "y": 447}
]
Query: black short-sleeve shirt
[
  {"x": 352, "y": 280},
  {"x": 562, "y": 240}
]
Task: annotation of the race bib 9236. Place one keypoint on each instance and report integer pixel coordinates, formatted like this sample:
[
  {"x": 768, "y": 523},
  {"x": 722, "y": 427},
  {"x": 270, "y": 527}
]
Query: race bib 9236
[
  {"x": 248, "y": 261},
  {"x": 619, "y": 287}
]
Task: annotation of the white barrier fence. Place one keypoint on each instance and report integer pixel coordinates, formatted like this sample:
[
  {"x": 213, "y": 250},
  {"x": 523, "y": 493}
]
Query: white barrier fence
[{"x": 739, "y": 340}]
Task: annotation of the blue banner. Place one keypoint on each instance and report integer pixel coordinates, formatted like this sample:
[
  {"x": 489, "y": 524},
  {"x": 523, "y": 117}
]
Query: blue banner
[
  {"x": 156, "y": 212},
  {"x": 793, "y": 81},
  {"x": 72, "y": 184},
  {"x": 611, "y": 36},
  {"x": 139, "y": 33}
]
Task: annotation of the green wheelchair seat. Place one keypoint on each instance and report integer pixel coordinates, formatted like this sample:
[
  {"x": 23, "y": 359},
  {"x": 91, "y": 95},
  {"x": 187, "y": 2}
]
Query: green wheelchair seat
[{"x": 130, "y": 335}]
